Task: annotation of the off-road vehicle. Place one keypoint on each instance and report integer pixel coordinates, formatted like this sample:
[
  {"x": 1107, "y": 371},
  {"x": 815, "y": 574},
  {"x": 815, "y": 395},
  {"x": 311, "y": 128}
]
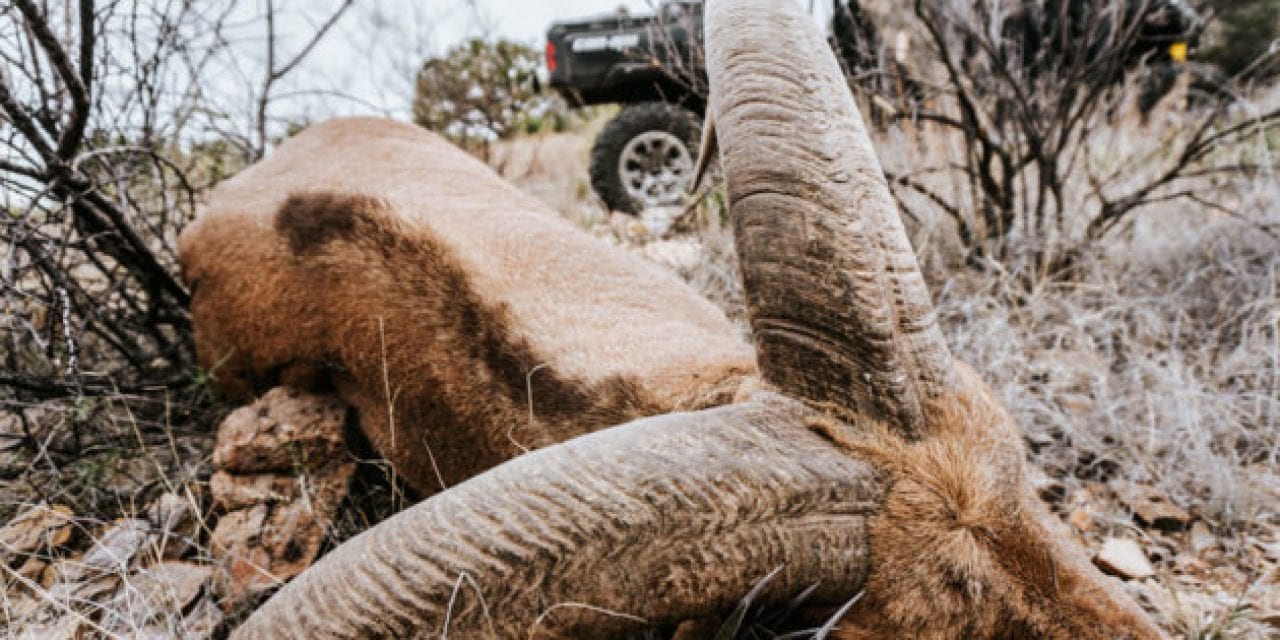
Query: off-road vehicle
[{"x": 652, "y": 65}]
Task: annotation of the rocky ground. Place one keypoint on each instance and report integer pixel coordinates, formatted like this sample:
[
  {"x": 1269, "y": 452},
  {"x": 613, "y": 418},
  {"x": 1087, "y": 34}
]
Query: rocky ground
[{"x": 197, "y": 558}]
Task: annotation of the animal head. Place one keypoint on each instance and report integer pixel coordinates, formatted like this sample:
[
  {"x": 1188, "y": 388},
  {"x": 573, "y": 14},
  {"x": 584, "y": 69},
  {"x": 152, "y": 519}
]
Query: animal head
[{"x": 872, "y": 463}]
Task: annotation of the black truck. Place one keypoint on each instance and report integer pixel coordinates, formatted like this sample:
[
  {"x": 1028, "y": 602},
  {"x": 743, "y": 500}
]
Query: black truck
[{"x": 652, "y": 64}]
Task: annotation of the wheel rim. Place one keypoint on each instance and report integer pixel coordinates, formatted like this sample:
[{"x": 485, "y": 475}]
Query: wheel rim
[{"x": 655, "y": 168}]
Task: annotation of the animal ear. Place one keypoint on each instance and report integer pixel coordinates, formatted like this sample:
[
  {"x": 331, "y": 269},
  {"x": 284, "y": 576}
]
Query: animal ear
[{"x": 838, "y": 306}]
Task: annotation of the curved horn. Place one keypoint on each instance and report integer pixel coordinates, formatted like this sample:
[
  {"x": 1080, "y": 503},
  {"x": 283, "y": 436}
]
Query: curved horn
[
  {"x": 659, "y": 520},
  {"x": 837, "y": 303}
]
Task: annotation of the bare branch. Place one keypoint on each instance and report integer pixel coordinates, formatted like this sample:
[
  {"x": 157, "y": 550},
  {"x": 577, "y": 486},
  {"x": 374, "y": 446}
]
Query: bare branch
[{"x": 74, "y": 81}]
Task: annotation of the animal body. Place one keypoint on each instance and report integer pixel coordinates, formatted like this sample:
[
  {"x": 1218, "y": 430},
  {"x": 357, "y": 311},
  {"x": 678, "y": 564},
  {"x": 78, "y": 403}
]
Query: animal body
[
  {"x": 871, "y": 468},
  {"x": 464, "y": 321}
]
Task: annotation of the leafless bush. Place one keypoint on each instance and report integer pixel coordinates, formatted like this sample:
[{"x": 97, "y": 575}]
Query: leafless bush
[
  {"x": 1038, "y": 110},
  {"x": 109, "y": 136},
  {"x": 115, "y": 120}
]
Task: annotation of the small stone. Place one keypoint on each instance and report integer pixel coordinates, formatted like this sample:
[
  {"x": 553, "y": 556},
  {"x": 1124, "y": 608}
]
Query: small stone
[
  {"x": 1269, "y": 549},
  {"x": 119, "y": 545},
  {"x": 1081, "y": 520},
  {"x": 1077, "y": 404},
  {"x": 1270, "y": 618},
  {"x": 170, "y": 585},
  {"x": 1051, "y": 491},
  {"x": 261, "y": 548},
  {"x": 1154, "y": 510},
  {"x": 72, "y": 582},
  {"x": 1123, "y": 558},
  {"x": 176, "y": 523},
  {"x": 1201, "y": 538},
  {"x": 202, "y": 621},
  {"x": 69, "y": 628},
  {"x": 41, "y": 528},
  {"x": 1159, "y": 513},
  {"x": 32, "y": 568},
  {"x": 327, "y": 486},
  {"x": 232, "y": 492},
  {"x": 284, "y": 430}
]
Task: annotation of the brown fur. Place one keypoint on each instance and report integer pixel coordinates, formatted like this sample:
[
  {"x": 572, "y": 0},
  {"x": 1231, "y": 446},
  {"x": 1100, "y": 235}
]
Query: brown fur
[
  {"x": 318, "y": 268},
  {"x": 963, "y": 549}
]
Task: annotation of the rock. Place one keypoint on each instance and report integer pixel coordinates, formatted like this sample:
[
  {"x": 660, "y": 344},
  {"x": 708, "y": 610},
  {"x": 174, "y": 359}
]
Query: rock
[
  {"x": 71, "y": 582},
  {"x": 284, "y": 430},
  {"x": 18, "y": 606},
  {"x": 1201, "y": 538},
  {"x": 1070, "y": 371},
  {"x": 259, "y": 549},
  {"x": 243, "y": 567},
  {"x": 63, "y": 629},
  {"x": 281, "y": 473},
  {"x": 176, "y": 523},
  {"x": 31, "y": 569},
  {"x": 1081, "y": 520},
  {"x": 269, "y": 541},
  {"x": 152, "y": 595},
  {"x": 119, "y": 545},
  {"x": 233, "y": 492},
  {"x": 170, "y": 586},
  {"x": 13, "y": 453},
  {"x": 1051, "y": 491},
  {"x": 1270, "y": 618},
  {"x": 39, "y": 528},
  {"x": 328, "y": 487},
  {"x": 202, "y": 621},
  {"x": 1123, "y": 558},
  {"x": 1154, "y": 510}
]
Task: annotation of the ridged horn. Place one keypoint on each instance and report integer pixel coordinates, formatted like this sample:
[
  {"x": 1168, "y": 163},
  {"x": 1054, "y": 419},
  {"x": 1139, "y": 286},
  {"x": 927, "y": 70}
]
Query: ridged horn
[
  {"x": 837, "y": 303},
  {"x": 659, "y": 520}
]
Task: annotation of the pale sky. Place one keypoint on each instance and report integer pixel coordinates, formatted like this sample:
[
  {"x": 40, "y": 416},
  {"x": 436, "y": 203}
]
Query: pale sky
[
  {"x": 367, "y": 64},
  {"x": 527, "y": 20},
  {"x": 371, "y": 56}
]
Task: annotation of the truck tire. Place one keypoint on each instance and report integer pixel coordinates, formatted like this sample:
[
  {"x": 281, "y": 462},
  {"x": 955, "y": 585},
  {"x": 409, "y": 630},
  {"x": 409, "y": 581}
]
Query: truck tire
[{"x": 645, "y": 157}]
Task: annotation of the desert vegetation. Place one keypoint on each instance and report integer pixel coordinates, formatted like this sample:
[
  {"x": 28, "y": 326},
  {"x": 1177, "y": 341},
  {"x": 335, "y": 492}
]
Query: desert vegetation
[{"x": 1119, "y": 289}]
